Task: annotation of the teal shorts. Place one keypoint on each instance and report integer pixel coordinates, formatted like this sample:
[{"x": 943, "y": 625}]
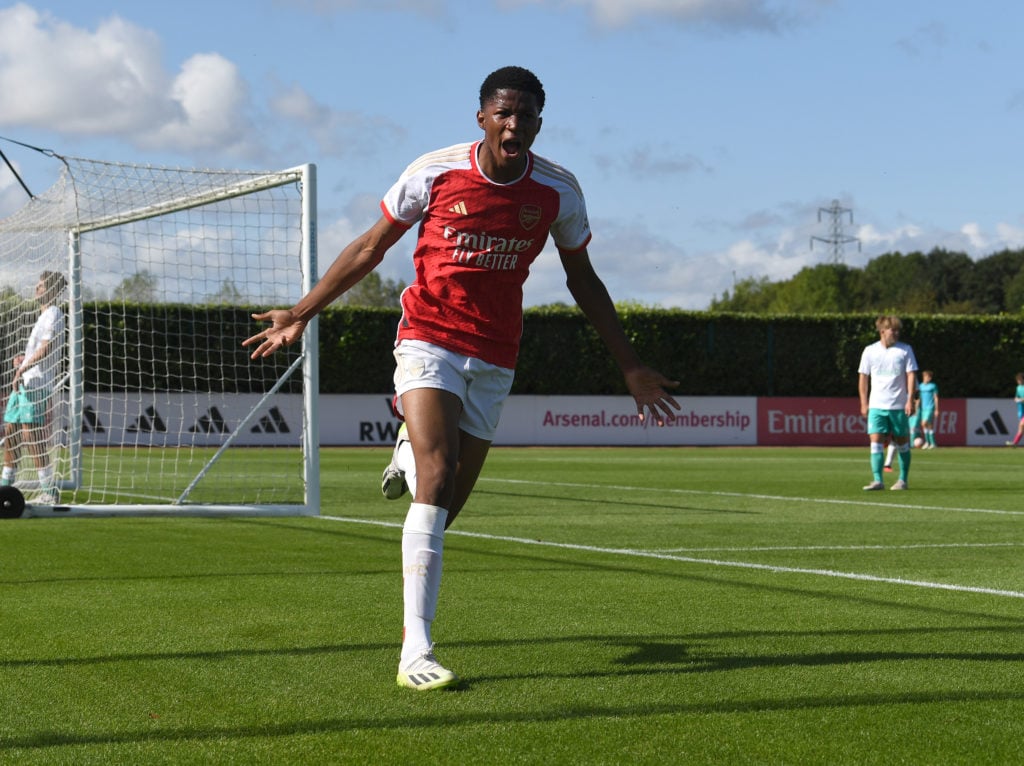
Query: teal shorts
[
  {"x": 27, "y": 406},
  {"x": 892, "y": 422}
]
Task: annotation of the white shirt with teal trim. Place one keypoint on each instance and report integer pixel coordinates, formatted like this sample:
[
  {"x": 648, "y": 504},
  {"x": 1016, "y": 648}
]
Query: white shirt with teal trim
[
  {"x": 887, "y": 368},
  {"x": 49, "y": 328}
]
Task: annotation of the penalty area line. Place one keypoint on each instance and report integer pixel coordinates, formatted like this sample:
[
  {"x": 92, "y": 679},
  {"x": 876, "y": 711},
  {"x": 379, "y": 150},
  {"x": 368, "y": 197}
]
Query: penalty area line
[{"x": 706, "y": 562}]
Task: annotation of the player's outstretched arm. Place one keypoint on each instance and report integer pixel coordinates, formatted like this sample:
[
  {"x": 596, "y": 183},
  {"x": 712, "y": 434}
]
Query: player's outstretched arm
[
  {"x": 647, "y": 386},
  {"x": 352, "y": 264}
]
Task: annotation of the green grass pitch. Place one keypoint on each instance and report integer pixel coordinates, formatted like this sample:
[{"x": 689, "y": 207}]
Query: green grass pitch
[{"x": 603, "y": 606}]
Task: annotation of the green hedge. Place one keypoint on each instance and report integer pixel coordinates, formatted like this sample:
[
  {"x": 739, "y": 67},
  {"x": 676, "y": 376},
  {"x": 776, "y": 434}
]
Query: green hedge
[
  {"x": 711, "y": 354},
  {"x": 126, "y": 349}
]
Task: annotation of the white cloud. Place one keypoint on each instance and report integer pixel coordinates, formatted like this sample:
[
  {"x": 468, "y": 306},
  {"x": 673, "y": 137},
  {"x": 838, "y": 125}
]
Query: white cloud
[
  {"x": 971, "y": 238},
  {"x": 336, "y": 133},
  {"x": 878, "y": 241},
  {"x": 740, "y": 12},
  {"x": 648, "y": 162},
  {"x": 978, "y": 243},
  {"x": 58, "y": 77},
  {"x": 358, "y": 216},
  {"x": 765, "y": 15},
  {"x": 973, "y": 234},
  {"x": 1010, "y": 236},
  {"x": 778, "y": 261},
  {"x": 213, "y": 101},
  {"x": 110, "y": 82},
  {"x": 635, "y": 266},
  {"x": 12, "y": 196},
  {"x": 423, "y": 7},
  {"x": 334, "y": 236}
]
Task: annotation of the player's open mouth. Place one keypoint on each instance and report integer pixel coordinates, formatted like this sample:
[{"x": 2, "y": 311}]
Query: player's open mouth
[{"x": 512, "y": 147}]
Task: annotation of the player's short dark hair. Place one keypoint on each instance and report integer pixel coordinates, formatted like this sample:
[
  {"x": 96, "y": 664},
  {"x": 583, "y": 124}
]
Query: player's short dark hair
[
  {"x": 54, "y": 284},
  {"x": 512, "y": 78}
]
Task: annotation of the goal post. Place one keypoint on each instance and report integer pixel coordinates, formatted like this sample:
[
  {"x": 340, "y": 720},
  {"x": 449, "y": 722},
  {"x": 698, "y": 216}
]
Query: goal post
[{"x": 155, "y": 406}]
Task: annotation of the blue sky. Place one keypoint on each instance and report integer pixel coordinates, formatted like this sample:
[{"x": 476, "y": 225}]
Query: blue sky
[{"x": 707, "y": 134}]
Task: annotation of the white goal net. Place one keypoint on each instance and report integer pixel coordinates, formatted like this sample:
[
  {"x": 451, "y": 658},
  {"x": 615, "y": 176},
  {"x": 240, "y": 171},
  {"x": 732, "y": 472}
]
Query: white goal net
[{"x": 154, "y": 406}]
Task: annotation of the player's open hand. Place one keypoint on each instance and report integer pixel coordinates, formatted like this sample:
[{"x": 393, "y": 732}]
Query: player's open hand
[
  {"x": 648, "y": 389},
  {"x": 284, "y": 330}
]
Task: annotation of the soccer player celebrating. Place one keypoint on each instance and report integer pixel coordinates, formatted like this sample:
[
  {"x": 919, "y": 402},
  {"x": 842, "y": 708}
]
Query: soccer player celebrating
[
  {"x": 484, "y": 211},
  {"x": 887, "y": 369}
]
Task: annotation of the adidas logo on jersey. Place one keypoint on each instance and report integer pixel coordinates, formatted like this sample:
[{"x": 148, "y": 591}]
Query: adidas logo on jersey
[{"x": 458, "y": 207}]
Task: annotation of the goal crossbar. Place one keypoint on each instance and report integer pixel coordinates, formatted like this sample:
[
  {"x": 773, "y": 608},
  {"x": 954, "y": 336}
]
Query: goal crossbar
[{"x": 185, "y": 202}]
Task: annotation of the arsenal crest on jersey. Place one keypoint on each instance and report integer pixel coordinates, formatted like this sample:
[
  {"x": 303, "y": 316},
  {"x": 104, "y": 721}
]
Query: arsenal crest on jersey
[{"x": 529, "y": 216}]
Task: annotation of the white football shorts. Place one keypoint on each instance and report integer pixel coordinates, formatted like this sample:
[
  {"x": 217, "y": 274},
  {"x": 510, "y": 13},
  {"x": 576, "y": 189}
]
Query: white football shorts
[{"x": 482, "y": 387}]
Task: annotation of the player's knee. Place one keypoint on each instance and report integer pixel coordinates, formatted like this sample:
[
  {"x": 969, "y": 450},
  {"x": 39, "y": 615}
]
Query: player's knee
[{"x": 435, "y": 482}]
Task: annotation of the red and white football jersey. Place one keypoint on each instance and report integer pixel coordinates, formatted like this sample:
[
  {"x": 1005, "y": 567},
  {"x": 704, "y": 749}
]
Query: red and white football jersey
[{"x": 476, "y": 241}]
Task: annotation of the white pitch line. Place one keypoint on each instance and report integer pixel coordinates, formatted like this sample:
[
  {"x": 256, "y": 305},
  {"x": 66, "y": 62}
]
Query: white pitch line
[
  {"x": 751, "y": 496},
  {"x": 706, "y": 562},
  {"x": 769, "y": 548}
]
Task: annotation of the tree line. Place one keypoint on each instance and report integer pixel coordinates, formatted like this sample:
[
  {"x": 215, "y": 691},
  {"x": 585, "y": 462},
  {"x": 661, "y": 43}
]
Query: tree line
[
  {"x": 143, "y": 287},
  {"x": 939, "y": 282}
]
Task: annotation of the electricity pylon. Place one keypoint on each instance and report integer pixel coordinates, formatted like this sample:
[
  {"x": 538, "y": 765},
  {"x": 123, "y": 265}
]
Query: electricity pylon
[{"x": 836, "y": 238}]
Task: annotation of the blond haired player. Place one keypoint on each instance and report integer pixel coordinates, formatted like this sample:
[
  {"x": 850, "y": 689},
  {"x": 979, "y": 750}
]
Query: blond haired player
[{"x": 886, "y": 380}]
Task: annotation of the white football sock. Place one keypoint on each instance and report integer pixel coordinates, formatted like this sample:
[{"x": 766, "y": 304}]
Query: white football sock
[
  {"x": 45, "y": 478},
  {"x": 422, "y": 549}
]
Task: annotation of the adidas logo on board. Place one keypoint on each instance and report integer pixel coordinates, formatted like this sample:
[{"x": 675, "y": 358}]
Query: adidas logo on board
[{"x": 992, "y": 426}]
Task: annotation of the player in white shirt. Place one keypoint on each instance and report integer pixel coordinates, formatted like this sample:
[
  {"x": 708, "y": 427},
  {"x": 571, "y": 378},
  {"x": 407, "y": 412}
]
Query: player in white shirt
[
  {"x": 887, "y": 377},
  {"x": 26, "y": 417}
]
